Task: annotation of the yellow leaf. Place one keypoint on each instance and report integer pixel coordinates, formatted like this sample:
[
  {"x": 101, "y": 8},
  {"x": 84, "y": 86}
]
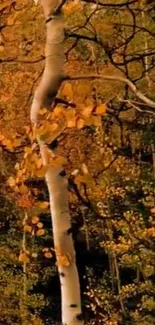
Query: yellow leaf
[
  {"x": 80, "y": 123},
  {"x": 58, "y": 162},
  {"x": 87, "y": 111},
  {"x": 40, "y": 232},
  {"x": 8, "y": 143},
  {"x": 70, "y": 114},
  {"x": 96, "y": 120},
  {"x": 41, "y": 172},
  {"x": 16, "y": 142},
  {"x": 83, "y": 179},
  {"x": 63, "y": 260},
  {"x": 101, "y": 109},
  {"x": 39, "y": 163},
  {"x": 43, "y": 111},
  {"x": 58, "y": 111},
  {"x": 28, "y": 228},
  {"x": 67, "y": 91},
  {"x": 2, "y": 137},
  {"x": 2, "y": 48},
  {"x": 40, "y": 225},
  {"x": 42, "y": 205},
  {"x": 34, "y": 157},
  {"x": 71, "y": 123},
  {"x": 35, "y": 220}
]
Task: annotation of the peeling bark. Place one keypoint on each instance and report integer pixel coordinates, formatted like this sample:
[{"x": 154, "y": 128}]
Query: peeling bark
[{"x": 55, "y": 178}]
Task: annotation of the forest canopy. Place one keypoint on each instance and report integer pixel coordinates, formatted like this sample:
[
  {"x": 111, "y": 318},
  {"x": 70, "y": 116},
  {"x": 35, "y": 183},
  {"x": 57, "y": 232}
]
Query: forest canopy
[{"x": 92, "y": 123}]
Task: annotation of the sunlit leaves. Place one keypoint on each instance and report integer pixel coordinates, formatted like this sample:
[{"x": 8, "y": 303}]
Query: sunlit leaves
[
  {"x": 11, "y": 143},
  {"x": 34, "y": 227},
  {"x": 80, "y": 123},
  {"x": 83, "y": 179},
  {"x": 67, "y": 91}
]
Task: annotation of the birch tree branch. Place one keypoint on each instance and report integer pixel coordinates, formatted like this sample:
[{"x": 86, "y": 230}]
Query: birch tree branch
[
  {"x": 126, "y": 81},
  {"x": 55, "y": 176}
]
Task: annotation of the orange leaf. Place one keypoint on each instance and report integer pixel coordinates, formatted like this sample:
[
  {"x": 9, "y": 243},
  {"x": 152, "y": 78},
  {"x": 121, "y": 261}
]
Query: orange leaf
[
  {"x": 39, "y": 163},
  {"x": 23, "y": 257},
  {"x": 41, "y": 172},
  {"x": 101, "y": 109},
  {"x": 80, "y": 123},
  {"x": 25, "y": 202},
  {"x": 71, "y": 123},
  {"x": 58, "y": 162},
  {"x": 87, "y": 111},
  {"x": 58, "y": 111},
  {"x": 67, "y": 91},
  {"x": 43, "y": 111},
  {"x": 70, "y": 114}
]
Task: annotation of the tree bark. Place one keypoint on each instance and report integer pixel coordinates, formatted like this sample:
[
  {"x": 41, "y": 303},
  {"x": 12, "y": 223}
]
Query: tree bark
[{"x": 55, "y": 177}]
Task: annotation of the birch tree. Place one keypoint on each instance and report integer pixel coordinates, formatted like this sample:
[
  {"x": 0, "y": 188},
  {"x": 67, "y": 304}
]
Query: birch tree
[{"x": 55, "y": 177}]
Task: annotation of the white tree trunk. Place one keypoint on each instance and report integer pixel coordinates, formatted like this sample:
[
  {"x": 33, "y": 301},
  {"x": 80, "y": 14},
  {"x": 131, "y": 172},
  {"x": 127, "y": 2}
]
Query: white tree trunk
[{"x": 55, "y": 179}]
